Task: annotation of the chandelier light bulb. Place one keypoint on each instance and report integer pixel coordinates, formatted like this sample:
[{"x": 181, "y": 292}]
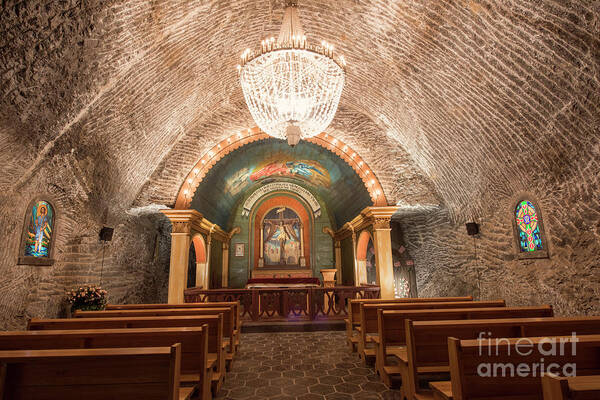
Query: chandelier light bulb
[{"x": 290, "y": 83}]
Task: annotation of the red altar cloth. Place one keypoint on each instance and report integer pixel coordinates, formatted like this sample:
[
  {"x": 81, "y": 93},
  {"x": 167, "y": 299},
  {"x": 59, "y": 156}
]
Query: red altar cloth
[{"x": 285, "y": 281}]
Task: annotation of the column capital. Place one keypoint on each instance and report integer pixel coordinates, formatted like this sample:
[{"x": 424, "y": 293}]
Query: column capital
[
  {"x": 189, "y": 216},
  {"x": 379, "y": 217},
  {"x": 381, "y": 223},
  {"x": 225, "y": 245}
]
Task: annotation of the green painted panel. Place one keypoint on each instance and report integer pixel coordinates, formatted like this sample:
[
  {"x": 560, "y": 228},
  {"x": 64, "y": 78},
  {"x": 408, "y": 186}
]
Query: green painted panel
[
  {"x": 322, "y": 251},
  {"x": 216, "y": 264},
  {"x": 347, "y": 262}
]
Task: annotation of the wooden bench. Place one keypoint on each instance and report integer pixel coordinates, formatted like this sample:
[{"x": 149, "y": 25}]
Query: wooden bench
[
  {"x": 195, "y": 367},
  {"x": 391, "y": 330},
  {"x": 149, "y": 373},
  {"x": 571, "y": 388},
  {"x": 427, "y": 341},
  {"x": 229, "y": 338},
  {"x": 220, "y": 304},
  {"x": 511, "y": 374},
  {"x": 353, "y": 320},
  {"x": 214, "y": 322},
  {"x": 367, "y": 328}
]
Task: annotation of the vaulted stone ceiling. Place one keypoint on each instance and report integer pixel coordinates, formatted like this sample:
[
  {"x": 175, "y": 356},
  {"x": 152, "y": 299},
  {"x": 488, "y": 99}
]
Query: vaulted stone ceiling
[{"x": 449, "y": 101}]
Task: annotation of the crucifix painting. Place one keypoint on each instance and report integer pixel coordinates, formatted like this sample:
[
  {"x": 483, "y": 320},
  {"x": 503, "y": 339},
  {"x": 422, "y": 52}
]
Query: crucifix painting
[{"x": 281, "y": 234}]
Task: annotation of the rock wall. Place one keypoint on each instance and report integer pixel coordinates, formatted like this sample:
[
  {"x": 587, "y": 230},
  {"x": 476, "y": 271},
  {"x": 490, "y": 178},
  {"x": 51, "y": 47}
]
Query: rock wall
[
  {"x": 450, "y": 263},
  {"x": 136, "y": 261}
]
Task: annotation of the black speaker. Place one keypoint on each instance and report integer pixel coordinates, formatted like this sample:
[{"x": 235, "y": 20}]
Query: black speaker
[
  {"x": 106, "y": 234},
  {"x": 472, "y": 228}
]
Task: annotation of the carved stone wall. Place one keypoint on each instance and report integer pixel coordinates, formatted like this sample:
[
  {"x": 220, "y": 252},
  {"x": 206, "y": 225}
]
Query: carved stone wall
[
  {"x": 136, "y": 261},
  {"x": 109, "y": 104},
  {"x": 451, "y": 263}
]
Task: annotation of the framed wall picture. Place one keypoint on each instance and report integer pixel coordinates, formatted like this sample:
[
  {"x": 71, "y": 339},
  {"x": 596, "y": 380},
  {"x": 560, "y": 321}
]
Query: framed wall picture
[
  {"x": 239, "y": 249},
  {"x": 38, "y": 234}
]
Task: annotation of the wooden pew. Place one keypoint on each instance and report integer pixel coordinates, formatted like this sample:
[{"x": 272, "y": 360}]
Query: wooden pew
[
  {"x": 228, "y": 321},
  {"x": 571, "y": 388},
  {"x": 214, "y": 322},
  {"x": 220, "y": 304},
  {"x": 508, "y": 380},
  {"x": 149, "y": 373},
  {"x": 391, "y": 330},
  {"x": 427, "y": 341},
  {"x": 353, "y": 320},
  {"x": 195, "y": 368},
  {"x": 367, "y": 328}
]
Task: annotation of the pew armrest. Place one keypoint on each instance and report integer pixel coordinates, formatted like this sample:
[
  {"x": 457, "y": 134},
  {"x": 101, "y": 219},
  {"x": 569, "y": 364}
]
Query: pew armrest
[
  {"x": 443, "y": 390},
  {"x": 185, "y": 393},
  {"x": 399, "y": 352},
  {"x": 211, "y": 360}
]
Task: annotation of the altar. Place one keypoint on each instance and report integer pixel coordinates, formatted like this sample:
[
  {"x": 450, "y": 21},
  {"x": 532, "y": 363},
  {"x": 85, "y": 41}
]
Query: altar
[{"x": 282, "y": 283}]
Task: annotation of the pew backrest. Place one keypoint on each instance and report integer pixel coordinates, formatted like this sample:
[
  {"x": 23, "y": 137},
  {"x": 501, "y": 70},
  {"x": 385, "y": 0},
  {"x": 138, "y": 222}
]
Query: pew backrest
[
  {"x": 214, "y": 322},
  {"x": 368, "y": 312},
  {"x": 427, "y": 341},
  {"x": 91, "y": 374},
  {"x": 193, "y": 340},
  {"x": 512, "y": 368},
  {"x": 219, "y": 304},
  {"x": 227, "y": 312},
  {"x": 354, "y": 306},
  {"x": 392, "y": 328}
]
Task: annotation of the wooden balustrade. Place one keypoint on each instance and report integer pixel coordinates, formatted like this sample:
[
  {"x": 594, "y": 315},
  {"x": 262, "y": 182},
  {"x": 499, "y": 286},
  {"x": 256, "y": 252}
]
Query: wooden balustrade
[{"x": 287, "y": 303}]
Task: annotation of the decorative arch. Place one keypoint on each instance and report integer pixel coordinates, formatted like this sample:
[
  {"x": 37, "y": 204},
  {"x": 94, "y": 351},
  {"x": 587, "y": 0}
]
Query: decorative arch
[
  {"x": 199, "y": 248},
  {"x": 242, "y": 138},
  {"x": 366, "y": 273},
  {"x": 528, "y": 228},
  {"x": 362, "y": 244},
  {"x": 197, "y": 265},
  {"x": 278, "y": 200},
  {"x": 37, "y": 241}
]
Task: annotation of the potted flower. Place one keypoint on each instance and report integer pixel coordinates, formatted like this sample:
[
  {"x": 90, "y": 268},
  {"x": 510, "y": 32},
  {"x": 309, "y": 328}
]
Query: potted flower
[{"x": 86, "y": 298}]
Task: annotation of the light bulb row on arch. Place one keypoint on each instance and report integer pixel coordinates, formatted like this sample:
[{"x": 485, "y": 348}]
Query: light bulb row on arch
[{"x": 241, "y": 138}]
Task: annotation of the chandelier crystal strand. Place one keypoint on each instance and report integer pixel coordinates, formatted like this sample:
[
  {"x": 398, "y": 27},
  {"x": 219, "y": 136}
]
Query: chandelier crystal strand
[{"x": 291, "y": 87}]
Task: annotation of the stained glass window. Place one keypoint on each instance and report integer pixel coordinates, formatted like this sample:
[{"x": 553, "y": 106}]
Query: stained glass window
[
  {"x": 528, "y": 227},
  {"x": 39, "y": 231}
]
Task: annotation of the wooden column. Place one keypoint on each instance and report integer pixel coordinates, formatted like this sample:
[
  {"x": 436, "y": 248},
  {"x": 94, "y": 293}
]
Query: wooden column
[
  {"x": 225, "y": 273},
  {"x": 181, "y": 221},
  {"x": 382, "y": 240},
  {"x": 338, "y": 261}
]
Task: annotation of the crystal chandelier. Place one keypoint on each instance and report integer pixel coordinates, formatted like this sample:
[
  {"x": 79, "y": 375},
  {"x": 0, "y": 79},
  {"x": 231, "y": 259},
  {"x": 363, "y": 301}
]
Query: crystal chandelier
[{"x": 292, "y": 88}]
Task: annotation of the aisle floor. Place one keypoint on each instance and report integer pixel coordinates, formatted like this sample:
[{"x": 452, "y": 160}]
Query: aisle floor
[{"x": 302, "y": 366}]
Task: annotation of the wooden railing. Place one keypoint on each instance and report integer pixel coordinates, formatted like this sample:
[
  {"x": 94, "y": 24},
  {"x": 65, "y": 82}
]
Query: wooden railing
[{"x": 289, "y": 303}]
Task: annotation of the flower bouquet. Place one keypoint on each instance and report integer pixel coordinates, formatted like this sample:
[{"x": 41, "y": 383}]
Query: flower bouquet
[{"x": 87, "y": 298}]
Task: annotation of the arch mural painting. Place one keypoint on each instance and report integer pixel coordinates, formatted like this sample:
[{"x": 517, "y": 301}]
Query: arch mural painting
[{"x": 308, "y": 171}]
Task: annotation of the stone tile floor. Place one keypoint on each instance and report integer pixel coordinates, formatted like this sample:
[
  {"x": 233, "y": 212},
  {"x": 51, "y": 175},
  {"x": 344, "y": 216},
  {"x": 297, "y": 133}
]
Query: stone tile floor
[{"x": 302, "y": 366}]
